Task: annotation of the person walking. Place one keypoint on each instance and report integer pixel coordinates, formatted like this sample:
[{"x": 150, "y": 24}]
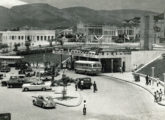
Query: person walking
[
  {"x": 76, "y": 85},
  {"x": 81, "y": 84},
  {"x": 160, "y": 95},
  {"x": 84, "y": 108},
  {"x": 94, "y": 87},
  {"x": 146, "y": 79},
  {"x": 155, "y": 97}
]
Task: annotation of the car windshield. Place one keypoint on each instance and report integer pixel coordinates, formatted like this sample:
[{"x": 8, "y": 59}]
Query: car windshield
[{"x": 48, "y": 98}]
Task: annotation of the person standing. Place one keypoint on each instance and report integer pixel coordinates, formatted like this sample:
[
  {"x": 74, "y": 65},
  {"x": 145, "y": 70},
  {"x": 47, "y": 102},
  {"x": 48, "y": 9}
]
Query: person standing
[
  {"x": 76, "y": 85},
  {"x": 84, "y": 108},
  {"x": 146, "y": 79},
  {"x": 94, "y": 87},
  {"x": 81, "y": 84}
]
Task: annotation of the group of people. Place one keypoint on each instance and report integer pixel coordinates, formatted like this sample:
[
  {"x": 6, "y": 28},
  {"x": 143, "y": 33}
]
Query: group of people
[
  {"x": 148, "y": 81},
  {"x": 158, "y": 96}
]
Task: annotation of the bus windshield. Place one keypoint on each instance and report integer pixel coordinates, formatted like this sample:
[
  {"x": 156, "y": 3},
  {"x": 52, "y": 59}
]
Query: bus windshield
[{"x": 96, "y": 65}]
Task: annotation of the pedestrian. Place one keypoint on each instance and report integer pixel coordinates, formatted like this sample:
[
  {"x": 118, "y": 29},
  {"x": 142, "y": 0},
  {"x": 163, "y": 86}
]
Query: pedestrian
[
  {"x": 81, "y": 84},
  {"x": 155, "y": 99},
  {"x": 160, "y": 95},
  {"x": 76, "y": 85},
  {"x": 146, "y": 79},
  {"x": 94, "y": 87},
  {"x": 84, "y": 108},
  {"x": 120, "y": 69},
  {"x": 149, "y": 81},
  {"x": 157, "y": 96}
]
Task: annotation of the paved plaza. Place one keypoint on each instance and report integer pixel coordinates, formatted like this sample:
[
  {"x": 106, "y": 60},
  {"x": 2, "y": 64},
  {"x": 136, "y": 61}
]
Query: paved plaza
[{"x": 115, "y": 100}]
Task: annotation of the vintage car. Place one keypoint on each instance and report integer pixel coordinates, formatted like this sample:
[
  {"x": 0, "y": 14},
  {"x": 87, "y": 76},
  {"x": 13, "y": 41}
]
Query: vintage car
[
  {"x": 17, "y": 83},
  {"x": 44, "y": 102},
  {"x": 36, "y": 86},
  {"x": 87, "y": 83},
  {"x": 46, "y": 78},
  {"x": 5, "y": 69},
  {"x": 4, "y": 82}
]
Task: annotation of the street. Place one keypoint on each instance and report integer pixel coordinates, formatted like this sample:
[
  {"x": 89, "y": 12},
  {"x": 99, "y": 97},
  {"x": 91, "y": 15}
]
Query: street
[{"x": 115, "y": 100}]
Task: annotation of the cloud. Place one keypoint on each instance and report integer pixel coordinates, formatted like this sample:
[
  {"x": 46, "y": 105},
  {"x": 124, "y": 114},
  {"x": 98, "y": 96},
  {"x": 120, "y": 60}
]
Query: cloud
[{"x": 11, "y": 3}]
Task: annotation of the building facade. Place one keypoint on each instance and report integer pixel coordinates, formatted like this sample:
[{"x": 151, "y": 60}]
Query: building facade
[
  {"x": 105, "y": 33},
  {"x": 36, "y": 37}
]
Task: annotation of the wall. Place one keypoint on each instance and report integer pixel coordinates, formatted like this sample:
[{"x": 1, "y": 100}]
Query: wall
[{"x": 143, "y": 57}]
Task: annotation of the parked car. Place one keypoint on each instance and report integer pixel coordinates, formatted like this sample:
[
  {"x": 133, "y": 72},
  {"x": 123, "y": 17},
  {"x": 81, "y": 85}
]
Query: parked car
[
  {"x": 1, "y": 76},
  {"x": 5, "y": 69},
  {"x": 17, "y": 83},
  {"x": 87, "y": 83},
  {"x": 36, "y": 86},
  {"x": 6, "y": 79},
  {"x": 46, "y": 78},
  {"x": 44, "y": 102}
]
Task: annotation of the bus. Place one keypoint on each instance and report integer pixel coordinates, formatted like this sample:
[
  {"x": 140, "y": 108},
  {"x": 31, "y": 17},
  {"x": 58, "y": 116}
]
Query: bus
[
  {"x": 88, "y": 67},
  {"x": 10, "y": 60}
]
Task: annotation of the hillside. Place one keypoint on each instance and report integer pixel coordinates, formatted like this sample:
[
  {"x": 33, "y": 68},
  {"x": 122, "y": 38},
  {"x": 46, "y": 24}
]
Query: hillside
[{"x": 44, "y": 16}]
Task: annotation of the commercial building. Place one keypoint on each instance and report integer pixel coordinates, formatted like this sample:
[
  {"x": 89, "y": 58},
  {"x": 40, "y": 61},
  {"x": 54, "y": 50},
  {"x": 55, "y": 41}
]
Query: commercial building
[
  {"x": 106, "y": 33},
  {"x": 35, "y": 37},
  {"x": 159, "y": 28}
]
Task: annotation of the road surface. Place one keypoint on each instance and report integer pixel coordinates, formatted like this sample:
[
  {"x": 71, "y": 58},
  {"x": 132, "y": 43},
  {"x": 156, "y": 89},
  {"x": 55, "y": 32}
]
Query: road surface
[{"x": 115, "y": 100}]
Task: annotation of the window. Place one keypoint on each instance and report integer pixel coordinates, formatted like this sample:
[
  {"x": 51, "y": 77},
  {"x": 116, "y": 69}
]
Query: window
[
  {"x": 44, "y": 37},
  {"x": 12, "y": 37},
  {"x": 38, "y": 38},
  {"x": 41, "y": 37},
  {"x": 48, "y": 37},
  {"x": 52, "y": 37}
]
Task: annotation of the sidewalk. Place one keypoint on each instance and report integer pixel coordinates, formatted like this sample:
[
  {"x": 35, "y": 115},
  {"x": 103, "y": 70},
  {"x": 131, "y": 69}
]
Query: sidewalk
[{"x": 128, "y": 77}]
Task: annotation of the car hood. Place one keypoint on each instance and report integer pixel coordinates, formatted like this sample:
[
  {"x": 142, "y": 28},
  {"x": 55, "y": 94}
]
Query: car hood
[{"x": 26, "y": 85}]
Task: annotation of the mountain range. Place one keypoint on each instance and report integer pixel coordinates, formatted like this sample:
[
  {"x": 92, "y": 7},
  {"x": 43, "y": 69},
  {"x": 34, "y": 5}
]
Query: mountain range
[{"x": 45, "y": 16}]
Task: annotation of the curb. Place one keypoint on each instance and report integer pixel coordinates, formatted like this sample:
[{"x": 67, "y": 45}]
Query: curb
[
  {"x": 67, "y": 105},
  {"x": 136, "y": 85}
]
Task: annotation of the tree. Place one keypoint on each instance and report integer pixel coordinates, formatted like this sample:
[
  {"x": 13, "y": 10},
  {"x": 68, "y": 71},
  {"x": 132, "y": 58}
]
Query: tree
[
  {"x": 65, "y": 81},
  {"x": 16, "y": 46},
  {"x": 3, "y": 46}
]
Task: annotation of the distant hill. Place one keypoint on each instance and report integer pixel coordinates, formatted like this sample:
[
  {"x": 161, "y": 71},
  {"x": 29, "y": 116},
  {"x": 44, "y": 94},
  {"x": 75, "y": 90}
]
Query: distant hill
[{"x": 44, "y": 16}]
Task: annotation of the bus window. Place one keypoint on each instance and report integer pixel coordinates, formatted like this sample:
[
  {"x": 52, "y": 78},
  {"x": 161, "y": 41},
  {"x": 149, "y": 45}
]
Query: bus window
[{"x": 94, "y": 65}]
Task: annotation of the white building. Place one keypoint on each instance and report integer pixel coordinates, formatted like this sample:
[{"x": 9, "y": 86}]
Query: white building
[
  {"x": 36, "y": 37},
  {"x": 106, "y": 32}
]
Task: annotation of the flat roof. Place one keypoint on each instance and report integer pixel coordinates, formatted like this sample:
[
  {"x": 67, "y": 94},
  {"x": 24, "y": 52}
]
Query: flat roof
[
  {"x": 11, "y": 57},
  {"x": 90, "y": 62}
]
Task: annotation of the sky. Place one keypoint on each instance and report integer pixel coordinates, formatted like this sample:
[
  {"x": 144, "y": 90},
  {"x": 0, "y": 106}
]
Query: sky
[{"x": 152, "y": 5}]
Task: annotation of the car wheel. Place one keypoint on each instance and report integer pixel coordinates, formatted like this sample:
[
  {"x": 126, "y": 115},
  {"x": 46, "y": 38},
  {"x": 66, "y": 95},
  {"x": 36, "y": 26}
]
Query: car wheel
[
  {"x": 34, "y": 102},
  {"x": 43, "y": 89},
  {"x": 26, "y": 89},
  {"x": 43, "y": 106},
  {"x": 11, "y": 86},
  {"x": 8, "y": 86}
]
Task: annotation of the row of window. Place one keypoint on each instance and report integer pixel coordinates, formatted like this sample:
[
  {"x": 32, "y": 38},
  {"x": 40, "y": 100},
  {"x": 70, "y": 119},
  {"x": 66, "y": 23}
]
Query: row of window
[
  {"x": 112, "y": 33},
  {"x": 86, "y": 65},
  {"x": 28, "y": 37},
  {"x": 128, "y": 32}
]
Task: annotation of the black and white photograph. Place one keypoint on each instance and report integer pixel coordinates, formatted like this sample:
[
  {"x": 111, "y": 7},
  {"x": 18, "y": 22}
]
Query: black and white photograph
[{"x": 82, "y": 59}]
